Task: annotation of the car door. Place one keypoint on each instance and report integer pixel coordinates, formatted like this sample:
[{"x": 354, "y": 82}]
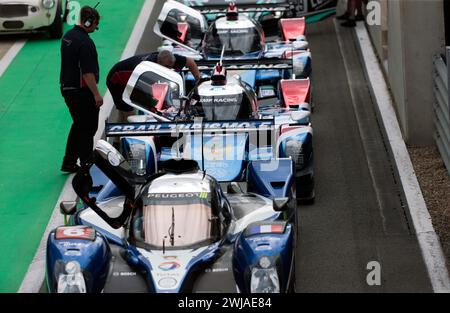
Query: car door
[
  {"x": 153, "y": 87},
  {"x": 181, "y": 25},
  {"x": 116, "y": 168}
]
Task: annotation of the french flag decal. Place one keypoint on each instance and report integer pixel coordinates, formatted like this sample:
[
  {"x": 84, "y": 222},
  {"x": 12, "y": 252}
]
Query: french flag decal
[{"x": 267, "y": 229}]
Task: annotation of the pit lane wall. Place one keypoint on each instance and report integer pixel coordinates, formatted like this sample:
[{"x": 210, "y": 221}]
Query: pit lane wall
[
  {"x": 406, "y": 37},
  {"x": 34, "y": 123}
]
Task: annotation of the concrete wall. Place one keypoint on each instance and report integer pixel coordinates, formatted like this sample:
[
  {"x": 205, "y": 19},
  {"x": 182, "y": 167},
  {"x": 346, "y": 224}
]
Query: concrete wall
[
  {"x": 411, "y": 32},
  {"x": 395, "y": 60},
  {"x": 418, "y": 55}
]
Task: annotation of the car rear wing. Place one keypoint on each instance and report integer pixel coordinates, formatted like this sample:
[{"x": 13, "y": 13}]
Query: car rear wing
[
  {"x": 243, "y": 8},
  {"x": 245, "y": 65},
  {"x": 175, "y": 128},
  {"x": 304, "y": 8}
]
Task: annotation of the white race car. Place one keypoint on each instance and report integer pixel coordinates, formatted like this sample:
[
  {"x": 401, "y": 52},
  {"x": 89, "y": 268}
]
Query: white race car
[{"x": 22, "y": 16}]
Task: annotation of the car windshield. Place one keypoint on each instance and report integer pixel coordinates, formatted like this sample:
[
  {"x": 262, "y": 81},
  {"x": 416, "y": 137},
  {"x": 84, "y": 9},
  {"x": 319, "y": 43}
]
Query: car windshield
[
  {"x": 174, "y": 220},
  {"x": 237, "y": 41}
]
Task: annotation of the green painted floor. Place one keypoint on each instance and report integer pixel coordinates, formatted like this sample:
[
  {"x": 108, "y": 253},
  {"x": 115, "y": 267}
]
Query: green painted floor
[{"x": 34, "y": 123}]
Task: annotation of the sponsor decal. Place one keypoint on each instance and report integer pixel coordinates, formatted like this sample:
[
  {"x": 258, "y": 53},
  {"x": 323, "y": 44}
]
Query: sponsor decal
[
  {"x": 124, "y": 274},
  {"x": 230, "y": 67},
  {"x": 216, "y": 270},
  {"x": 263, "y": 247},
  {"x": 72, "y": 244},
  {"x": 248, "y": 10},
  {"x": 72, "y": 253},
  {"x": 201, "y": 195},
  {"x": 234, "y": 31},
  {"x": 264, "y": 239},
  {"x": 169, "y": 127},
  {"x": 207, "y": 99},
  {"x": 168, "y": 282},
  {"x": 169, "y": 266}
]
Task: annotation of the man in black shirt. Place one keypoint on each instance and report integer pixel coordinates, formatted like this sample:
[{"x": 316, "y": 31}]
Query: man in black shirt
[
  {"x": 79, "y": 79},
  {"x": 120, "y": 74}
]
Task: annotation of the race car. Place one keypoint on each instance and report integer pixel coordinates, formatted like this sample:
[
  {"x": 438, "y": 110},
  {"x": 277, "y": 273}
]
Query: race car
[
  {"x": 266, "y": 11},
  {"x": 159, "y": 93},
  {"x": 26, "y": 16},
  {"x": 174, "y": 230},
  {"x": 235, "y": 36}
]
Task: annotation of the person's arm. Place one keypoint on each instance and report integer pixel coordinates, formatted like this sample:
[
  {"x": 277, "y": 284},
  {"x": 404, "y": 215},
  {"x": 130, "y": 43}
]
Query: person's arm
[
  {"x": 89, "y": 78},
  {"x": 88, "y": 65},
  {"x": 192, "y": 66}
]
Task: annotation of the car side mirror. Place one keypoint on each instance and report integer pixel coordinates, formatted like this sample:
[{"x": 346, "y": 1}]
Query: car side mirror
[
  {"x": 280, "y": 204},
  {"x": 68, "y": 207}
]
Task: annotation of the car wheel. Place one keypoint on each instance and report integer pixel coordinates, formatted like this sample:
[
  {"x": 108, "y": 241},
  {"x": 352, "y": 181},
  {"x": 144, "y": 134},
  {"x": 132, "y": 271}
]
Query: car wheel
[{"x": 56, "y": 29}]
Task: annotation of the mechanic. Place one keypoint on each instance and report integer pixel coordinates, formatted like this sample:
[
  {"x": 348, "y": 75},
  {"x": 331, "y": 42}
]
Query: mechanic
[
  {"x": 120, "y": 73},
  {"x": 79, "y": 79}
]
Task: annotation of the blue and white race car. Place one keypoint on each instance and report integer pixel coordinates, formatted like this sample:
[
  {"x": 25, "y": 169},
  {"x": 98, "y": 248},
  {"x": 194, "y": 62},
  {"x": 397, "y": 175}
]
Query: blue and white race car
[
  {"x": 235, "y": 36},
  {"x": 159, "y": 93},
  {"x": 171, "y": 229},
  {"x": 193, "y": 204}
]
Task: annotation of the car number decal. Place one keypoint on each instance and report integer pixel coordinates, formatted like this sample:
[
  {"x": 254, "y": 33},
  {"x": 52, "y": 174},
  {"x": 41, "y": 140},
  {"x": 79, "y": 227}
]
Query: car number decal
[{"x": 78, "y": 232}]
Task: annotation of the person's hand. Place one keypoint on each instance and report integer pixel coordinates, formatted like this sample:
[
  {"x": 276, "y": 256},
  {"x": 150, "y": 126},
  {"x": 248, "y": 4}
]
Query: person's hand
[{"x": 98, "y": 100}]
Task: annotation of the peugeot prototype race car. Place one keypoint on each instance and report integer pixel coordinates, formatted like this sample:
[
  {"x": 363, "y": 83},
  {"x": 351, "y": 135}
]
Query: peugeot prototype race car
[
  {"x": 235, "y": 36},
  {"x": 173, "y": 229},
  {"x": 159, "y": 93},
  {"x": 214, "y": 210}
]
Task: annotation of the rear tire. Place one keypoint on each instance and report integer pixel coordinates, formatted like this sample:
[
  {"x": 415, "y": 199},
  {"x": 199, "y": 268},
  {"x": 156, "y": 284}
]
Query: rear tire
[{"x": 56, "y": 29}]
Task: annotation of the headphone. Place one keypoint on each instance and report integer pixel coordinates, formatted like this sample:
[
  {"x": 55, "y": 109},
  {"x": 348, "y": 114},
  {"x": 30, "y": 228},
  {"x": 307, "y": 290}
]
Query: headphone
[{"x": 91, "y": 18}]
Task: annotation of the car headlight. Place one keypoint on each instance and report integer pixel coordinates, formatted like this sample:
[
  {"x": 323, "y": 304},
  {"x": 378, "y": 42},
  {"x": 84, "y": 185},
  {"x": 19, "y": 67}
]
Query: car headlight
[
  {"x": 48, "y": 4},
  {"x": 264, "y": 278},
  {"x": 72, "y": 281},
  {"x": 294, "y": 149}
]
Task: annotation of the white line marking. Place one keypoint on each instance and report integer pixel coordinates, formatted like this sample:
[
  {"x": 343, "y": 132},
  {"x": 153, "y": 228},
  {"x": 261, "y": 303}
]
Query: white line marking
[
  {"x": 36, "y": 271},
  {"x": 426, "y": 235},
  {"x": 10, "y": 55}
]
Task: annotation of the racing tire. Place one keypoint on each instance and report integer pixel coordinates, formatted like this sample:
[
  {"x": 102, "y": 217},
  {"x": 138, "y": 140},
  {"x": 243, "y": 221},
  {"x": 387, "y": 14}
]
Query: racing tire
[{"x": 56, "y": 29}]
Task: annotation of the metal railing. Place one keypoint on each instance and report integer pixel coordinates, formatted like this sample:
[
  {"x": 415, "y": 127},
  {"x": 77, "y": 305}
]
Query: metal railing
[{"x": 441, "y": 107}]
